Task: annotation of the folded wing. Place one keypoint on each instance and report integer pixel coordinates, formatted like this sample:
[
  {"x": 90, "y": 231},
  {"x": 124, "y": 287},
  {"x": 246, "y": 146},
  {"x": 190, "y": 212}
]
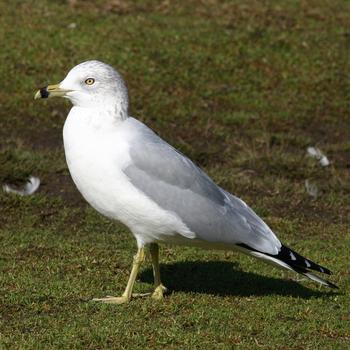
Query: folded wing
[{"x": 176, "y": 184}]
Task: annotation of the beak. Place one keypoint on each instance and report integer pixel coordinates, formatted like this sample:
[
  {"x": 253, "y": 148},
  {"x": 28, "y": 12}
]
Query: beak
[{"x": 51, "y": 91}]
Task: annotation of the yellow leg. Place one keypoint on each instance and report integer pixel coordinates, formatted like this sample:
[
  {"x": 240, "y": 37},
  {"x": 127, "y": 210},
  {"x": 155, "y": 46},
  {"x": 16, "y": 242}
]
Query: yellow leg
[
  {"x": 159, "y": 289},
  {"x": 126, "y": 296}
]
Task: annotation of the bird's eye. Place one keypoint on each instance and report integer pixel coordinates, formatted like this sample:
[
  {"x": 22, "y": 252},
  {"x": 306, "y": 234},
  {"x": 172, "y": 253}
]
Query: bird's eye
[{"x": 89, "y": 81}]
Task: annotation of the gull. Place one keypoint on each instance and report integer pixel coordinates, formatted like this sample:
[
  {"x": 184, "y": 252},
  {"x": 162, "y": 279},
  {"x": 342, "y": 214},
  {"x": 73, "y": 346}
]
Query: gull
[{"x": 128, "y": 173}]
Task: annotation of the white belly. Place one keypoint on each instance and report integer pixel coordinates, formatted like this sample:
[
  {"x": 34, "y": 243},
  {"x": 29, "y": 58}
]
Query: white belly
[{"x": 95, "y": 160}]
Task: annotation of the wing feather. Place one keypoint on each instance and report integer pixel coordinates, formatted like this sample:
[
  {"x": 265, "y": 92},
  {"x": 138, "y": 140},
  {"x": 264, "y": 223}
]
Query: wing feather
[{"x": 176, "y": 184}]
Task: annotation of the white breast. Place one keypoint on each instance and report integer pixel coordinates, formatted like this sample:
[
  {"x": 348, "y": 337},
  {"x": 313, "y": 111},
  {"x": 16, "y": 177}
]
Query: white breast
[{"x": 96, "y": 155}]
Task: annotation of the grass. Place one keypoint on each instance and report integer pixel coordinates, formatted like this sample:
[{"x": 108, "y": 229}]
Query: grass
[{"x": 242, "y": 88}]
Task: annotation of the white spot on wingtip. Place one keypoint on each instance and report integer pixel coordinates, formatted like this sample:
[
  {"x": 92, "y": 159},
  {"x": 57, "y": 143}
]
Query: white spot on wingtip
[
  {"x": 292, "y": 256},
  {"x": 307, "y": 263},
  {"x": 321, "y": 269}
]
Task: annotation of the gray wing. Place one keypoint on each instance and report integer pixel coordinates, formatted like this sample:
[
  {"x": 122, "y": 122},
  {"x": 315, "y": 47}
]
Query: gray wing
[{"x": 176, "y": 184}]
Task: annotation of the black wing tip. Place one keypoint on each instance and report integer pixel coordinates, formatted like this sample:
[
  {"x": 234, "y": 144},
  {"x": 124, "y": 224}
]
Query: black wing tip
[
  {"x": 297, "y": 262},
  {"x": 294, "y": 259}
]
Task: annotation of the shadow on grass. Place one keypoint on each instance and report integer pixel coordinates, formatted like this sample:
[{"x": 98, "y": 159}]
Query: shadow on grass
[{"x": 225, "y": 279}]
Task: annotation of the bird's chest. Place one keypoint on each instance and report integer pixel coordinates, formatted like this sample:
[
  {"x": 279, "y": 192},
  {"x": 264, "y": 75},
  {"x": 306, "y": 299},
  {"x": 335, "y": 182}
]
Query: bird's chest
[{"x": 95, "y": 159}]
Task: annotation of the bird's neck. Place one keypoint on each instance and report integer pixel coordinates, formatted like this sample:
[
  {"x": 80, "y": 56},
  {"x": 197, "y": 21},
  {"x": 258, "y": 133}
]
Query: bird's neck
[
  {"x": 96, "y": 118},
  {"x": 113, "y": 109},
  {"x": 120, "y": 110}
]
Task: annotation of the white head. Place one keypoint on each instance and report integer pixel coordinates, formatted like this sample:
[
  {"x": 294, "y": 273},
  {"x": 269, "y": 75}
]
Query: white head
[{"x": 92, "y": 84}]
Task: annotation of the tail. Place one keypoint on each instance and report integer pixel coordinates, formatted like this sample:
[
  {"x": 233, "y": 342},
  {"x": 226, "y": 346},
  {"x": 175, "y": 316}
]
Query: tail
[{"x": 291, "y": 260}]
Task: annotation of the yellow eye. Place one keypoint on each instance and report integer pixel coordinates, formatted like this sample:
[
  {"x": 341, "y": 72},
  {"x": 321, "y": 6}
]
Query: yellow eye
[{"x": 89, "y": 81}]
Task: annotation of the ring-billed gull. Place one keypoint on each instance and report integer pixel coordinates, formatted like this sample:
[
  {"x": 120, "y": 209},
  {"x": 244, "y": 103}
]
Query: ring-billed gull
[{"x": 128, "y": 173}]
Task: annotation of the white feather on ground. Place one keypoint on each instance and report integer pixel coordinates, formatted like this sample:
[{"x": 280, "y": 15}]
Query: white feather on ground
[{"x": 29, "y": 188}]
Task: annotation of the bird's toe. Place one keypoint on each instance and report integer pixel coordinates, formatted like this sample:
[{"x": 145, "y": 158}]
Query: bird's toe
[{"x": 113, "y": 300}]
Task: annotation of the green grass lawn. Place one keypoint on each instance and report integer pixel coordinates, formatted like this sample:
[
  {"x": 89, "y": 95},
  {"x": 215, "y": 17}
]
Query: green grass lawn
[{"x": 242, "y": 88}]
